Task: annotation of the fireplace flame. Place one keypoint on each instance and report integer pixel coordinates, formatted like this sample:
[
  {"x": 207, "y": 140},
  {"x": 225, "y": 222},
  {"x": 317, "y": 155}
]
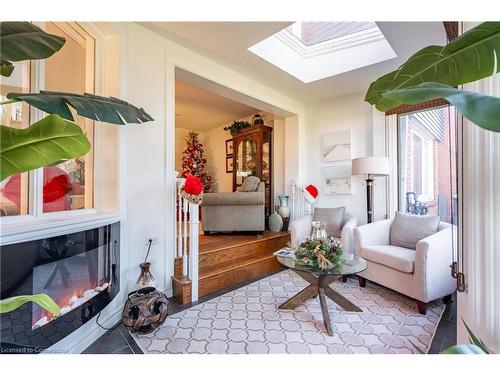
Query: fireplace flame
[{"x": 77, "y": 298}]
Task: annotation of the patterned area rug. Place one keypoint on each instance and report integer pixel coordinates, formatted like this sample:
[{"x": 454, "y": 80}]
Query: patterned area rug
[{"x": 247, "y": 321}]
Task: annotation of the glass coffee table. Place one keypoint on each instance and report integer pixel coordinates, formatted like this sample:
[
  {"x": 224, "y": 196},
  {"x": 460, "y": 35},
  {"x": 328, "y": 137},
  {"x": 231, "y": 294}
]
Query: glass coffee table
[{"x": 319, "y": 285}]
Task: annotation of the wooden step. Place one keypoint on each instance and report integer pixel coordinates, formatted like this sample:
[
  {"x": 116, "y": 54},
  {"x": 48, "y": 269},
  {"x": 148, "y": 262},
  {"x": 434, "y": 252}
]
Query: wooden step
[
  {"x": 238, "y": 259},
  {"x": 181, "y": 288},
  {"x": 228, "y": 257}
]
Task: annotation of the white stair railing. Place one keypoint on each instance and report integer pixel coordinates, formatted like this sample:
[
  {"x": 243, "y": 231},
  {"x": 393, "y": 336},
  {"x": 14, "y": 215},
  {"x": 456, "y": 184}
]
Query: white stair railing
[
  {"x": 300, "y": 205},
  {"x": 188, "y": 237}
]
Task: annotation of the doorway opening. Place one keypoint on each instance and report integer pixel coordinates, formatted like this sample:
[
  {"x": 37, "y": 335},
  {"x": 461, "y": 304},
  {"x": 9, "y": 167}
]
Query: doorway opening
[{"x": 230, "y": 141}]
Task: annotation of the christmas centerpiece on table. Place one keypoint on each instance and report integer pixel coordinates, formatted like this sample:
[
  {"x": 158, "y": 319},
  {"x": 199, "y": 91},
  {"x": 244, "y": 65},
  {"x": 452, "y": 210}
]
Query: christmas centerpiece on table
[
  {"x": 320, "y": 253},
  {"x": 194, "y": 161}
]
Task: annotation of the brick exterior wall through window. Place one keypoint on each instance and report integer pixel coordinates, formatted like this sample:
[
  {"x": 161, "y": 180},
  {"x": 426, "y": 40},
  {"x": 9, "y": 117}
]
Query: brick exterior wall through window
[{"x": 441, "y": 202}]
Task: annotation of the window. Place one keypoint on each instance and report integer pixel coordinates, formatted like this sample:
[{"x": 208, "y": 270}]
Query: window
[
  {"x": 14, "y": 198},
  {"x": 66, "y": 186},
  {"x": 427, "y": 163},
  {"x": 310, "y": 51}
]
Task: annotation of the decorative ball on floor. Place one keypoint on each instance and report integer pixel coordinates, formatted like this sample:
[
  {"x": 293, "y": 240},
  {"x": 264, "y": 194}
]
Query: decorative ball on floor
[{"x": 145, "y": 310}]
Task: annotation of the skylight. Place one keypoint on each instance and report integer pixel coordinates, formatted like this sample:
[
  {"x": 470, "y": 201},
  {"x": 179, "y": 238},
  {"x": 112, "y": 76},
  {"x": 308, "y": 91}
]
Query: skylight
[
  {"x": 310, "y": 51},
  {"x": 311, "y": 33}
]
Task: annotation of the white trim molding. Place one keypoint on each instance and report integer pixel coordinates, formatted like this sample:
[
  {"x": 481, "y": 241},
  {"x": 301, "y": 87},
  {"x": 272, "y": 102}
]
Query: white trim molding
[{"x": 479, "y": 191}]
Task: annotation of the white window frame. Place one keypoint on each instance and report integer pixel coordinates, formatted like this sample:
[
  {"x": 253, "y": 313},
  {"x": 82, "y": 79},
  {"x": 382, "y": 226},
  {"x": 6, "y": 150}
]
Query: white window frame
[
  {"x": 35, "y": 189},
  {"x": 427, "y": 162}
]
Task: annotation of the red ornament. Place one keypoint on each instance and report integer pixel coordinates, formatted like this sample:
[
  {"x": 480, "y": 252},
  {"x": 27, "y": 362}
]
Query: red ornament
[{"x": 193, "y": 185}]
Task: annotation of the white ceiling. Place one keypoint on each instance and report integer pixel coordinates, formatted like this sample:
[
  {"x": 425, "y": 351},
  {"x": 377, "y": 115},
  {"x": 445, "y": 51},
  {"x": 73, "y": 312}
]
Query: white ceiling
[
  {"x": 228, "y": 42},
  {"x": 202, "y": 110}
]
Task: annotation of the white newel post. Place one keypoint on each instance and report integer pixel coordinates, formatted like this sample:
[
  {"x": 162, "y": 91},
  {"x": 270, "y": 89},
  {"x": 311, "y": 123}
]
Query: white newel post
[
  {"x": 300, "y": 205},
  {"x": 179, "y": 219},
  {"x": 193, "y": 249},
  {"x": 185, "y": 238}
]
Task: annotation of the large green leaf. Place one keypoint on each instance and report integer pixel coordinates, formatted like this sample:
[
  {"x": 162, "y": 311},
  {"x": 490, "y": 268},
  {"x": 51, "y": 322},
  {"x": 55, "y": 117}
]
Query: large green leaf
[
  {"x": 463, "y": 349},
  {"x": 467, "y": 58},
  {"x": 483, "y": 110},
  {"x": 474, "y": 340},
  {"x": 47, "y": 142},
  {"x": 99, "y": 108},
  {"x": 42, "y": 300},
  {"x": 24, "y": 41}
]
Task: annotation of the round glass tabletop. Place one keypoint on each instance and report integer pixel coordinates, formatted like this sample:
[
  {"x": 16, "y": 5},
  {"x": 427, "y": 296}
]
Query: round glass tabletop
[{"x": 349, "y": 266}]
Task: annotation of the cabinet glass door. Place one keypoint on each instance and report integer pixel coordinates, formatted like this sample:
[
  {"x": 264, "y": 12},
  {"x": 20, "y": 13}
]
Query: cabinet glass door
[
  {"x": 246, "y": 160},
  {"x": 266, "y": 169}
]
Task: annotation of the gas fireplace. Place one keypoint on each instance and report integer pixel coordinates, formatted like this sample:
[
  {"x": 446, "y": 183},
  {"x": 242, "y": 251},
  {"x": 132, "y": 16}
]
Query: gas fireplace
[{"x": 79, "y": 271}]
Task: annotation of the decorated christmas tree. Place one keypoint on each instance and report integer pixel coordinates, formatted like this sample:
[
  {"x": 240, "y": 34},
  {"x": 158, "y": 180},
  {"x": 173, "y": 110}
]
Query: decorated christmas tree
[{"x": 193, "y": 161}]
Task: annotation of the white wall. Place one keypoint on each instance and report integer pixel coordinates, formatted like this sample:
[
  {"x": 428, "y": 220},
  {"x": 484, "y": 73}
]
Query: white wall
[
  {"x": 145, "y": 77},
  {"x": 215, "y": 149},
  {"x": 349, "y": 112},
  {"x": 148, "y": 77}
]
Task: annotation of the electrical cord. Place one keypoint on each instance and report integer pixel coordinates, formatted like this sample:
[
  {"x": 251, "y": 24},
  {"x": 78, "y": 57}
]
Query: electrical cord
[
  {"x": 150, "y": 242},
  {"x": 100, "y": 325}
]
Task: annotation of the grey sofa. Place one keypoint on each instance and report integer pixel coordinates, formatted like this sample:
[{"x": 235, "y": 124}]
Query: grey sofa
[{"x": 241, "y": 211}]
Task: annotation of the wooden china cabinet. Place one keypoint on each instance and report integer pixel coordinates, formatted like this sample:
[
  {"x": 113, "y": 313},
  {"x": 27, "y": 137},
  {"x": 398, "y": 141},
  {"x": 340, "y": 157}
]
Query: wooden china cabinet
[{"x": 252, "y": 156}]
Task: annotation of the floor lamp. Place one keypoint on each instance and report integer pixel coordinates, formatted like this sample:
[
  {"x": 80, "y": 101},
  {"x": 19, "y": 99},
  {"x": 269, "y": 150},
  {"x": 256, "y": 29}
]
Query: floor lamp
[{"x": 370, "y": 167}]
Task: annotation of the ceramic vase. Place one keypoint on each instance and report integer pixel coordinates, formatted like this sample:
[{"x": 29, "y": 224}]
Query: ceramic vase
[
  {"x": 145, "y": 279},
  {"x": 284, "y": 210},
  {"x": 275, "y": 221}
]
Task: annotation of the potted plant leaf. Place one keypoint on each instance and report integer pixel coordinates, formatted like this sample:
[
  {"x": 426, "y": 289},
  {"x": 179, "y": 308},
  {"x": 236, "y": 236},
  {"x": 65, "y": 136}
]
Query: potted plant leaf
[{"x": 434, "y": 72}]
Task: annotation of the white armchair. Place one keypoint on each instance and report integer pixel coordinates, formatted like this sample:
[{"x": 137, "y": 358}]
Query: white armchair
[
  {"x": 423, "y": 274},
  {"x": 300, "y": 229}
]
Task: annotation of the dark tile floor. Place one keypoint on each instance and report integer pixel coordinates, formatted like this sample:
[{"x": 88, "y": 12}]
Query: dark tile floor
[
  {"x": 446, "y": 333},
  {"x": 119, "y": 341}
]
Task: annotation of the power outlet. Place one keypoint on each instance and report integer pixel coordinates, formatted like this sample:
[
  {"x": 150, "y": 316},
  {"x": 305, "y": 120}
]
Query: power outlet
[{"x": 155, "y": 240}]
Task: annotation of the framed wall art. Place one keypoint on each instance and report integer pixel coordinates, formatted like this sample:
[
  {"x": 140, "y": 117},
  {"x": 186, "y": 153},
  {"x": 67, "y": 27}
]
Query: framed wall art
[
  {"x": 337, "y": 179},
  {"x": 229, "y": 148},
  {"x": 229, "y": 164},
  {"x": 336, "y": 147}
]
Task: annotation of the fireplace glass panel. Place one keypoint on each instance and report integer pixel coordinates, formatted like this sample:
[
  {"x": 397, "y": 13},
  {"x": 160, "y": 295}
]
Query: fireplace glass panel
[
  {"x": 79, "y": 271},
  {"x": 70, "y": 282}
]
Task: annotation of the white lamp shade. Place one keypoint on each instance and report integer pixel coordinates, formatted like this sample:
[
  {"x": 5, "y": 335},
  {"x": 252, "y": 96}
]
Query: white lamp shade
[{"x": 374, "y": 165}]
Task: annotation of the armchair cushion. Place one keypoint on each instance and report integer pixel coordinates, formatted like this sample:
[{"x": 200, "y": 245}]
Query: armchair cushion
[
  {"x": 333, "y": 217},
  {"x": 251, "y": 183},
  {"x": 395, "y": 257},
  {"x": 407, "y": 230}
]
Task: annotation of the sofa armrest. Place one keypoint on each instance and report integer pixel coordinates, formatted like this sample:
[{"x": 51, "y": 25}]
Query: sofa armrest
[
  {"x": 347, "y": 234},
  {"x": 432, "y": 265},
  {"x": 300, "y": 229},
  {"x": 377, "y": 233}
]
